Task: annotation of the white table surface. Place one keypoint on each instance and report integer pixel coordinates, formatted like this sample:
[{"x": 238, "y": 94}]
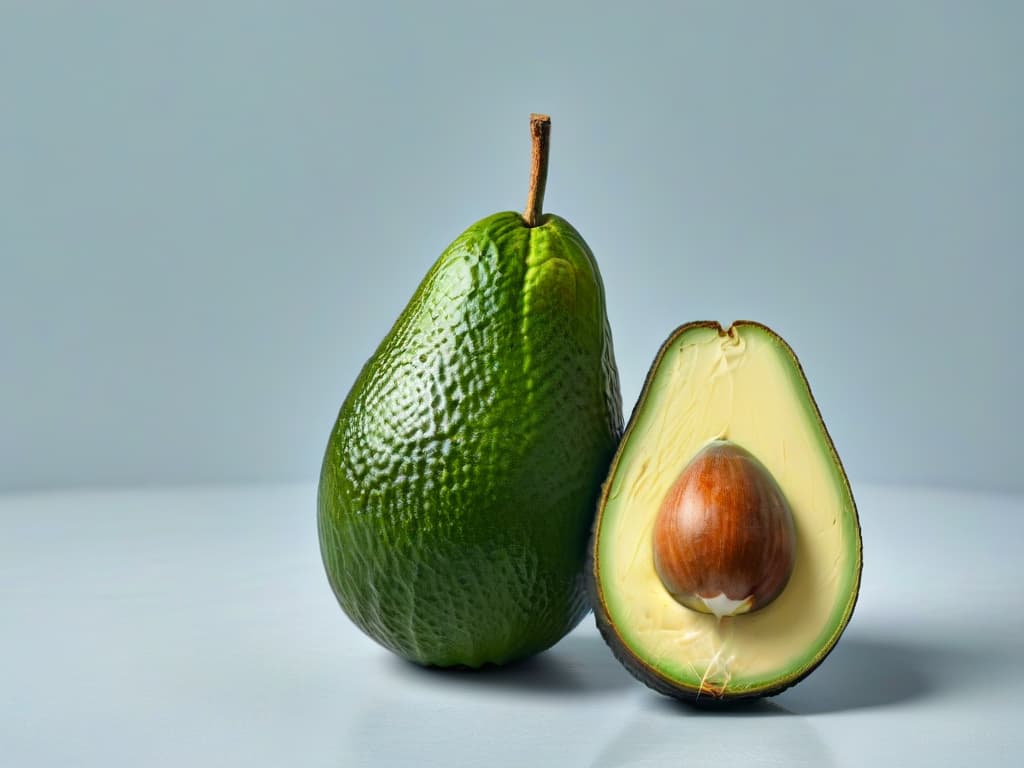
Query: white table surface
[{"x": 194, "y": 627}]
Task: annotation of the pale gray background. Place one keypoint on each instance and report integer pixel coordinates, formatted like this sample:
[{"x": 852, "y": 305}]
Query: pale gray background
[{"x": 210, "y": 216}]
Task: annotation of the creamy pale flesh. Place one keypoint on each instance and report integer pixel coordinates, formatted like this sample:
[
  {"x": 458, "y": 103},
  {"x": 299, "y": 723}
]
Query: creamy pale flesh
[{"x": 743, "y": 385}]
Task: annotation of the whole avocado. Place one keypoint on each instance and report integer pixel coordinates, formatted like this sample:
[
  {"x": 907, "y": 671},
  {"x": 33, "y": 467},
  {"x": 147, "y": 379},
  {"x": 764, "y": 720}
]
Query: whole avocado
[{"x": 461, "y": 478}]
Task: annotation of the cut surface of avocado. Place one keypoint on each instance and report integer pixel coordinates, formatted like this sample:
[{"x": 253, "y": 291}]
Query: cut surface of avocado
[{"x": 746, "y": 386}]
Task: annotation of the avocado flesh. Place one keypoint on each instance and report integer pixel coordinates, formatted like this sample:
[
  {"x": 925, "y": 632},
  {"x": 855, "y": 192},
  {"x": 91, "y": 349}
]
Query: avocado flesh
[
  {"x": 461, "y": 478},
  {"x": 744, "y": 385}
]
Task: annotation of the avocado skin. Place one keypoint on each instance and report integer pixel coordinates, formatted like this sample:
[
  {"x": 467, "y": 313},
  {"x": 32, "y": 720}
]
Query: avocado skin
[
  {"x": 460, "y": 480},
  {"x": 634, "y": 664}
]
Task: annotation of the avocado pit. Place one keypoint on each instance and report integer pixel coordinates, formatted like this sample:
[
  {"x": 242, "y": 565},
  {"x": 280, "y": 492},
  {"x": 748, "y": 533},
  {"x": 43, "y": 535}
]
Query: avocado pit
[{"x": 724, "y": 538}]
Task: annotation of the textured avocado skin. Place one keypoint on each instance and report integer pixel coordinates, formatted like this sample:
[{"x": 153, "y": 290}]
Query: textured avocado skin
[
  {"x": 635, "y": 665},
  {"x": 461, "y": 478}
]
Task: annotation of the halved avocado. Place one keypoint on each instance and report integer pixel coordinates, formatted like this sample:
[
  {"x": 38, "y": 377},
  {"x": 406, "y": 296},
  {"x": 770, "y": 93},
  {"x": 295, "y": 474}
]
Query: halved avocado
[{"x": 709, "y": 387}]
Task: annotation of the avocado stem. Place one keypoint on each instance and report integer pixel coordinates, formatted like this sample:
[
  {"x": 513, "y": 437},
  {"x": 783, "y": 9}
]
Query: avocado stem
[{"x": 540, "y": 132}]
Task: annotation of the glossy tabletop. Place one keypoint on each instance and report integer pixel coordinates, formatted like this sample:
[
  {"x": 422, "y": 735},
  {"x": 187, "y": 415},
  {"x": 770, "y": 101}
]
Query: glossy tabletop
[{"x": 194, "y": 627}]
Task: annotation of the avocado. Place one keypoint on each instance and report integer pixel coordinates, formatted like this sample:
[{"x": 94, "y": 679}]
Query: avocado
[
  {"x": 726, "y": 554},
  {"x": 461, "y": 477}
]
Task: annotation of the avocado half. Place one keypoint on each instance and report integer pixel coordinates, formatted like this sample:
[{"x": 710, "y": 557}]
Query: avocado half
[{"x": 744, "y": 385}]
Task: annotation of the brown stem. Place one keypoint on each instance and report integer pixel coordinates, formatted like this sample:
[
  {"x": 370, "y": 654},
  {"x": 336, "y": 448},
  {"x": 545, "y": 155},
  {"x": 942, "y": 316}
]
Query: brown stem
[{"x": 540, "y": 132}]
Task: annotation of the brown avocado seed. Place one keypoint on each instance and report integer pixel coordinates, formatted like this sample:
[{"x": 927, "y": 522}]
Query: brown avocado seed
[{"x": 724, "y": 541}]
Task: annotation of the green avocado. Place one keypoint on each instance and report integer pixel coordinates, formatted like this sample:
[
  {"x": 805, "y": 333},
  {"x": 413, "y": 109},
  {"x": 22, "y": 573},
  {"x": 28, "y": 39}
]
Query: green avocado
[
  {"x": 726, "y": 555},
  {"x": 460, "y": 481}
]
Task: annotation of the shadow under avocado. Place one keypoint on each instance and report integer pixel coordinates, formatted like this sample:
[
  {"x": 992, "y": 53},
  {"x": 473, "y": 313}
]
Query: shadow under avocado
[
  {"x": 580, "y": 664},
  {"x": 866, "y": 672},
  {"x": 713, "y": 709},
  {"x": 862, "y": 672}
]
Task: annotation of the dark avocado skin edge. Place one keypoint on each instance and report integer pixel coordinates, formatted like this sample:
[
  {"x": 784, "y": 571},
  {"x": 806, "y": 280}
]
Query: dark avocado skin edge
[{"x": 646, "y": 674}]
